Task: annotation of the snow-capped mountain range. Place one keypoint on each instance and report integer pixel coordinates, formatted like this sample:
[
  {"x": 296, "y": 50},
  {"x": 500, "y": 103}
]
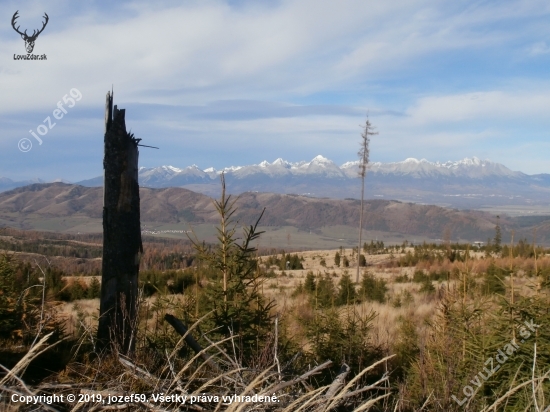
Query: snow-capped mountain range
[
  {"x": 320, "y": 166},
  {"x": 470, "y": 182}
]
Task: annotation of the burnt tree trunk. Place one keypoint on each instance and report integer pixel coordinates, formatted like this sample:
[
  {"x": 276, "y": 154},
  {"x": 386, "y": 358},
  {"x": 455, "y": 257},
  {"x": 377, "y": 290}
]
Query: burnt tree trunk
[{"x": 122, "y": 245}]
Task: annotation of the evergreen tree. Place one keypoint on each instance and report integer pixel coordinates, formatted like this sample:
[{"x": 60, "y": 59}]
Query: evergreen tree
[
  {"x": 494, "y": 280},
  {"x": 427, "y": 286},
  {"x": 294, "y": 260},
  {"x": 373, "y": 288},
  {"x": 94, "y": 290},
  {"x": 78, "y": 290},
  {"x": 488, "y": 248},
  {"x": 346, "y": 293},
  {"x": 341, "y": 333},
  {"x": 324, "y": 294},
  {"x": 55, "y": 281},
  {"x": 239, "y": 309},
  {"x": 406, "y": 345},
  {"x": 337, "y": 259},
  {"x": 10, "y": 316},
  {"x": 21, "y": 313},
  {"x": 309, "y": 285}
]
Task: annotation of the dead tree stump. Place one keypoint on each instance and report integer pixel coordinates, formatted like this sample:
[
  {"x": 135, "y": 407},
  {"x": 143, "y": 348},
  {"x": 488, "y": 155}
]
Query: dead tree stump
[{"x": 122, "y": 246}]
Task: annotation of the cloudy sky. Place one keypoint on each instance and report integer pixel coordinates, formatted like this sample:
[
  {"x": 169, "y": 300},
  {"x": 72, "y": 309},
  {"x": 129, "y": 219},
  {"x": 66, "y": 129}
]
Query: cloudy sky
[{"x": 235, "y": 82}]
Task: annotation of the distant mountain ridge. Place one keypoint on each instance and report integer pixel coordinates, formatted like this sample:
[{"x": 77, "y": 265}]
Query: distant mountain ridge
[
  {"x": 321, "y": 166},
  {"x": 7, "y": 184},
  {"x": 473, "y": 168},
  {"x": 68, "y": 207},
  {"x": 467, "y": 183}
]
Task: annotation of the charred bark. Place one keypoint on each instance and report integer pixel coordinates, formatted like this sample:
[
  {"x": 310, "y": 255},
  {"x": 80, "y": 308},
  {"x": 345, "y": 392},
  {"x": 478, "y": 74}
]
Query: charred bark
[{"x": 122, "y": 245}]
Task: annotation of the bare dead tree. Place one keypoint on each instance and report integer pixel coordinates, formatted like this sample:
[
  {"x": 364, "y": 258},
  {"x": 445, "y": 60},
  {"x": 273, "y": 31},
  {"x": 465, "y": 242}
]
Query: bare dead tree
[
  {"x": 122, "y": 246},
  {"x": 364, "y": 151}
]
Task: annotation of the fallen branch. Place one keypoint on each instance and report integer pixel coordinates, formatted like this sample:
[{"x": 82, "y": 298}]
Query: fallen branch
[
  {"x": 183, "y": 331},
  {"x": 300, "y": 378},
  {"x": 338, "y": 382}
]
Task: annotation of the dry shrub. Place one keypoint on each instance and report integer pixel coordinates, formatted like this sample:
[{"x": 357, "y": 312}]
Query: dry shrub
[{"x": 149, "y": 372}]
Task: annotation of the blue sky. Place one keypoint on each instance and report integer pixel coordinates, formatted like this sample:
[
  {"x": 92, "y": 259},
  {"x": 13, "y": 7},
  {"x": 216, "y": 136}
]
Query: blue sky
[{"x": 220, "y": 83}]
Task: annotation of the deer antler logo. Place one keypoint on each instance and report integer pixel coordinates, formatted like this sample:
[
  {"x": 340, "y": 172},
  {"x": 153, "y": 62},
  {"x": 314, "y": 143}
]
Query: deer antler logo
[{"x": 29, "y": 40}]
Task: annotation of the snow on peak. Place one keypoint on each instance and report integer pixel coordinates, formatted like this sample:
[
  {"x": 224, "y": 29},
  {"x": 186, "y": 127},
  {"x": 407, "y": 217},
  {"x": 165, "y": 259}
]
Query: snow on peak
[
  {"x": 474, "y": 161},
  {"x": 321, "y": 159},
  {"x": 467, "y": 162},
  {"x": 347, "y": 165},
  {"x": 209, "y": 170},
  {"x": 172, "y": 169},
  {"x": 232, "y": 168},
  {"x": 318, "y": 161},
  {"x": 280, "y": 162},
  {"x": 265, "y": 163}
]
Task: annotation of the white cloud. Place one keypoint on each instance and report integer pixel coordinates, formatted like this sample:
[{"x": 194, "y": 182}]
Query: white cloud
[
  {"x": 539, "y": 48},
  {"x": 486, "y": 105},
  {"x": 208, "y": 50}
]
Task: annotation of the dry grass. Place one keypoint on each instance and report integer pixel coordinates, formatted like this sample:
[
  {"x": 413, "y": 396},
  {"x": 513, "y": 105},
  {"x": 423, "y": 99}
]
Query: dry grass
[
  {"x": 280, "y": 289},
  {"x": 384, "y": 333},
  {"x": 115, "y": 375},
  {"x": 385, "y": 325}
]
